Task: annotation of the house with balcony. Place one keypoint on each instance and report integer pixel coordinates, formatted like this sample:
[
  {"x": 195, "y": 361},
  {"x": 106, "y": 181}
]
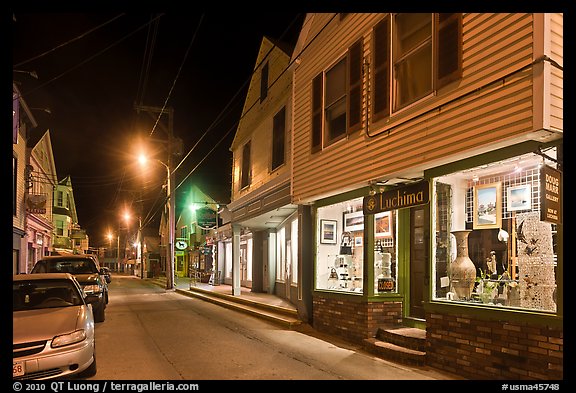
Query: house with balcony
[
  {"x": 40, "y": 183},
  {"x": 403, "y": 127},
  {"x": 68, "y": 235}
]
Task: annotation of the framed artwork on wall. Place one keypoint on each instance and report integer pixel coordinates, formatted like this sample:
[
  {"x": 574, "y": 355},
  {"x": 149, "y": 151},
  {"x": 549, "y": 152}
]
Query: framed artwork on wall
[
  {"x": 354, "y": 221},
  {"x": 519, "y": 197},
  {"x": 328, "y": 233},
  {"x": 383, "y": 224},
  {"x": 488, "y": 206}
]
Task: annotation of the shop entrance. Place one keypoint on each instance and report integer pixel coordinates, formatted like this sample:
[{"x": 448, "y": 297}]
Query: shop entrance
[
  {"x": 243, "y": 263},
  {"x": 265, "y": 278},
  {"x": 417, "y": 262}
]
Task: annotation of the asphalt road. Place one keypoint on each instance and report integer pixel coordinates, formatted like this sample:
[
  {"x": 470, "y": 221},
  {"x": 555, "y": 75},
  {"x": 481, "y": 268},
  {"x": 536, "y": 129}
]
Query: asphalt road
[{"x": 153, "y": 335}]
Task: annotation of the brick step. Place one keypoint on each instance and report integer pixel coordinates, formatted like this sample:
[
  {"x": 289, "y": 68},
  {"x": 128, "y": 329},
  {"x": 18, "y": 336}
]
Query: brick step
[
  {"x": 400, "y": 344},
  {"x": 407, "y": 337},
  {"x": 396, "y": 353}
]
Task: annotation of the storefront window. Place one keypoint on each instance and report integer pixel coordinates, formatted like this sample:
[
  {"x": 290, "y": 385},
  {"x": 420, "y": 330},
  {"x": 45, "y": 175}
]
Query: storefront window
[
  {"x": 489, "y": 244},
  {"x": 294, "y": 246},
  {"x": 339, "y": 249},
  {"x": 385, "y": 252}
]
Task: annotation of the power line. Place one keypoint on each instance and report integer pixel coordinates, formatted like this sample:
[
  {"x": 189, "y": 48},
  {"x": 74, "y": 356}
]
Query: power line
[
  {"x": 177, "y": 75},
  {"x": 88, "y": 59},
  {"x": 69, "y": 41}
]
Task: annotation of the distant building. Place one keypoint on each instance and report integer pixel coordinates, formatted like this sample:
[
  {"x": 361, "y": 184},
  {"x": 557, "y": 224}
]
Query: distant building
[{"x": 40, "y": 183}]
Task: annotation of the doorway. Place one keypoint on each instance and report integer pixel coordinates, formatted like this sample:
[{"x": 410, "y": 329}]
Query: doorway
[{"x": 417, "y": 262}]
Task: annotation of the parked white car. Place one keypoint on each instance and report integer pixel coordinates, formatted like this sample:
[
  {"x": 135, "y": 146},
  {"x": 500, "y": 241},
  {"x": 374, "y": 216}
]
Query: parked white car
[{"x": 53, "y": 327}]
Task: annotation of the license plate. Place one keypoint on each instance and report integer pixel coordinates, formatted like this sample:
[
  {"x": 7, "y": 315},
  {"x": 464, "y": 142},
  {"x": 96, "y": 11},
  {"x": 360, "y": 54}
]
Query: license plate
[{"x": 18, "y": 369}]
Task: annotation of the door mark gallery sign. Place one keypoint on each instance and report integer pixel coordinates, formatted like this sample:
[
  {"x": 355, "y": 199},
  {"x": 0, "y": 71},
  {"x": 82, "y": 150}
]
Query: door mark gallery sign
[
  {"x": 550, "y": 195},
  {"x": 398, "y": 198}
]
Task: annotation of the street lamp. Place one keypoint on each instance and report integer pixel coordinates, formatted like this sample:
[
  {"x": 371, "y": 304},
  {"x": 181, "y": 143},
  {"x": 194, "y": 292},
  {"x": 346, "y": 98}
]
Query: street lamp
[
  {"x": 171, "y": 221},
  {"x": 110, "y": 236}
]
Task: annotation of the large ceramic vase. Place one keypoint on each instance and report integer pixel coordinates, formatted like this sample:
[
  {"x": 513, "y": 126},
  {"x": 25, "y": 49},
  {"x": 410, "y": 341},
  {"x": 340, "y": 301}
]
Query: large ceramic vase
[{"x": 462, "y": 269}]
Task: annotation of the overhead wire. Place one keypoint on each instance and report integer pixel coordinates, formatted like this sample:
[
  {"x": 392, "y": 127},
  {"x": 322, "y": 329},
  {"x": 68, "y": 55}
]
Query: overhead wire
[
  {"x": 177, "y": 75},
  {"x": 88, "y": 59},
  {"x": 221, "y": 114},
  {"x": 148, "y": 54},
  {"x": 257, "y": 100},
  {"x": 83, "y": 35}
]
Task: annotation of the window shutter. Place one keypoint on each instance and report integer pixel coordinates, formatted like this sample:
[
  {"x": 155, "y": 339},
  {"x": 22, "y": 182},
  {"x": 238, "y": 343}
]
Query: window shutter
[
  {"x": 246, "y": 166},
  {"x": 317, "y": 113},
  {"x": 355, "y": 87},
  {"x": 381, "y": 70},
  {"x": 449, "y": 52},
  {"x": 278, "y": 137}
]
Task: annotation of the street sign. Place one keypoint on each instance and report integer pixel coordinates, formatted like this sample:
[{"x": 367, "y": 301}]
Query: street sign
[{"x": 206, "y": 217}]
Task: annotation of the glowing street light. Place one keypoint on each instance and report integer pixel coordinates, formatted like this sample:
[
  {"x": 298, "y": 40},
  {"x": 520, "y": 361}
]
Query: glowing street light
[{"x": 142, "y": 159}]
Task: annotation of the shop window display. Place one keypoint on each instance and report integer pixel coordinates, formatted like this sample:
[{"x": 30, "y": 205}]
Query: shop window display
[
  {"x": 385, "y": 255},
  {"x": 340, "y": 249},
  {"x": 490, "y": 215}
]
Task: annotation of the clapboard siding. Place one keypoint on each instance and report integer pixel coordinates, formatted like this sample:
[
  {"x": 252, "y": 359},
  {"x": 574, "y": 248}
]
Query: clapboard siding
[
  {"x": 556, "y": 82},
  {"x": 256, "y": 124},
  {"x": 485, "y": 109}
]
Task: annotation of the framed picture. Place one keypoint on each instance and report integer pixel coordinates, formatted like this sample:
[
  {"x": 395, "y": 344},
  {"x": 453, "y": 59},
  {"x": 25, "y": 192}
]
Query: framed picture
[
  {"x": 519, "y": 197},
  {"x": 383, "y": 224},
  {"x": 354, "y": 221},
  {"x": 358, "y": 242},
  {"x": 488, "y": 206},
  {"x": 328, "y": 232}
]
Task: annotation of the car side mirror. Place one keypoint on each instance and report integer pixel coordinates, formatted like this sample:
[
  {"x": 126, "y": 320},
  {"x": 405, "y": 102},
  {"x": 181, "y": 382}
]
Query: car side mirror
[{"x": 91, "y": 299}]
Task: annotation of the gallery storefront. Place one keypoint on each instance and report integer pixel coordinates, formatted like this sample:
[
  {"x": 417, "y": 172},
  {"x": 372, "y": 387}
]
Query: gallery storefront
[
  {"x": 496, "y": 310},
  {"x": 471, "y": 253}
]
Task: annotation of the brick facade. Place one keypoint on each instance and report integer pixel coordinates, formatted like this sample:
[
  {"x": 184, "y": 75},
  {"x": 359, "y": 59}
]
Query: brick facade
[
  {"x": 492, "y": 349},
  {"x": 353, "y": 320}
]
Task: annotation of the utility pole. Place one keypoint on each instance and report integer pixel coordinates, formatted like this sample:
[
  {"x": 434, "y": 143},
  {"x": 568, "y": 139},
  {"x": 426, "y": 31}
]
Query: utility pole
[{"x": 170, "y": 195}]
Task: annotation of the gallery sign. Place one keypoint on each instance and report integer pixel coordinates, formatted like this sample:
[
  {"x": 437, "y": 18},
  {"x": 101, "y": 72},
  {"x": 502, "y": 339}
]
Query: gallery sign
[
  {"x": 398, "y": 198},
  {"x": 206, "y": 217},
  {"x": 550, "y": 195}
]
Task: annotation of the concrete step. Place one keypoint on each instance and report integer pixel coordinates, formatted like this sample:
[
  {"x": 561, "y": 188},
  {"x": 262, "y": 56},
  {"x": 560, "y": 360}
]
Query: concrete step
[
  {"x": 286, "y": 317},
  {"x": 290, "y": 312},
  {"x": 271, "y": 313}
]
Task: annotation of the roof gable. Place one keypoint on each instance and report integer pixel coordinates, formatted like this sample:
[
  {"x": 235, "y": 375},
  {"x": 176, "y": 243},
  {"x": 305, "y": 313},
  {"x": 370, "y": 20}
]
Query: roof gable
[{"x": 270, "y": 52}]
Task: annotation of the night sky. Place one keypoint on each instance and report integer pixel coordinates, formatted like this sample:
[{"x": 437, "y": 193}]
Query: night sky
[{"x": 94, "y": 67}]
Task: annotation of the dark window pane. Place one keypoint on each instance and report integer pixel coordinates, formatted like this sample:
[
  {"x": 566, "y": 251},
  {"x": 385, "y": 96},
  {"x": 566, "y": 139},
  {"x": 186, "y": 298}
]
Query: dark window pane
[{"x": 278, "y": 138}]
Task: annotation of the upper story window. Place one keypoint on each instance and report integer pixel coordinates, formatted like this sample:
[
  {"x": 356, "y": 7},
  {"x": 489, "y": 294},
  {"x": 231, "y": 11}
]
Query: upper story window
[
  {"x": 279, "y": 139},
  {"x": 413, "y": 54},
  {"x": 337, "y": 99},
  {"x": 60, "y": 199},
  {"x": 264, "y": 82},
  {"x": 246, "y": 172},
  {"x": 184, "y": 232}
]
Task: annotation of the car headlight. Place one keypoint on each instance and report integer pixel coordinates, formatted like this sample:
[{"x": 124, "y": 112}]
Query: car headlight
[
  {"x": 68, "y": 339},
  {"x": 90, "y": 289}
]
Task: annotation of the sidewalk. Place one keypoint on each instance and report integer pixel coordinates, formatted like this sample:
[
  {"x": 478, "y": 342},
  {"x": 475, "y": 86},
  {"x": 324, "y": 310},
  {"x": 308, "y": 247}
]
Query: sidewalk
[{"x": 263, "y": 305}]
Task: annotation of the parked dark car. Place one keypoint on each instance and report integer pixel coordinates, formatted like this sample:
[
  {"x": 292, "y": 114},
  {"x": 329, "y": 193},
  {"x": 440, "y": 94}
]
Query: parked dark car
[
  {"x": 53, "y": 327},
  {"x": 86, "y": 270},
  {"x": 107, "y": 274}
]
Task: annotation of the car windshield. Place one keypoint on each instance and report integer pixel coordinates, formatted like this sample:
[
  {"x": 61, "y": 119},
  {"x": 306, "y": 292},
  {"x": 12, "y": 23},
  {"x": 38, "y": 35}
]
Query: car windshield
[
  {"x": 38, "y": 294},
  {"x": 72, "y": 266}
]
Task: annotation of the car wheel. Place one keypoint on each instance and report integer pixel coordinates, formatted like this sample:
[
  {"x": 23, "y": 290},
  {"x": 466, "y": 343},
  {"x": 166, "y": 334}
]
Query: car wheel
[{"x": 99, "y": 315}]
